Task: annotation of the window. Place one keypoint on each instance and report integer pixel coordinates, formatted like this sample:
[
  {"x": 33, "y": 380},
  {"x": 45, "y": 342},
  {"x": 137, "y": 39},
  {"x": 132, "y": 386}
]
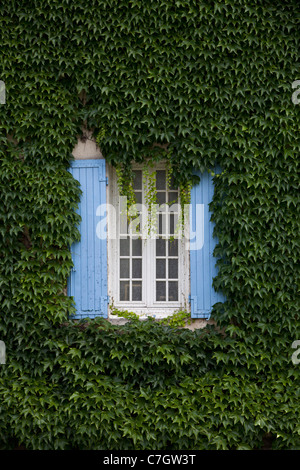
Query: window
[
  {"x": 117, "y": 262},
  {"x": 148, "y": 264}
]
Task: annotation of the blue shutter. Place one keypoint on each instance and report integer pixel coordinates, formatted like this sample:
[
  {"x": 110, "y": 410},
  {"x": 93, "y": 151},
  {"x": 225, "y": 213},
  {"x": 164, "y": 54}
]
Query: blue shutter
[
  {"x": 88, "y": 279},
  {"x": 202, "y": 244}
]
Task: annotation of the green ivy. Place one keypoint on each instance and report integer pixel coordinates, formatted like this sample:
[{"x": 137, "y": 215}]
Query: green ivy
[
  {"x": 211, "y": 82},
  {"x": 177, "y": 319},
  {"x": 124, "y": 314}
]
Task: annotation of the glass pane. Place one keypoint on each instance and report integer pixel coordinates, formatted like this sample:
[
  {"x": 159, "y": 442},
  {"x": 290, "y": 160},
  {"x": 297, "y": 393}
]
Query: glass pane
[
  {"x": 161, "y": 198},
  {"x": 171, "y": 185},
  {"x": 160, "y": 269},
  {"x": 138, "y": 197},
  {"x": 172, "y": 197},
  {"x": 172, "y": 224},
  {"x": 137, "y": 182},
  {"x": 137, "y": 268},
  {"x": 173, "y": 268},
  {"x": 173, "y": 291},
  {"x": 160, "y": 291},
  {"x": 173, "y": 247},
  {"x": 137, "y": 247},
  {"x": 124, "y": 268},
  {"x": 160, "y": 179},
  {"x": 160, "y": 247},
  {"x": 124, "y": 290},
  {"x": 124, "y": 247},
  {"x": 162, "y": 224},
  {"x": 137, "y": 290}
]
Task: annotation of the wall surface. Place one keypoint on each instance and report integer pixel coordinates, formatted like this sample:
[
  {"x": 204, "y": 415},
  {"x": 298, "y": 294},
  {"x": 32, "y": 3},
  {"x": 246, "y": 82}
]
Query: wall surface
[{"x": 86, "y": 147}]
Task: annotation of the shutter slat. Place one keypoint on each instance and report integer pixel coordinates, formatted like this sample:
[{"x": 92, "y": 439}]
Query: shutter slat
[
  {"x": 87, "y": 282},
  {"x": 202, "y": 262}
]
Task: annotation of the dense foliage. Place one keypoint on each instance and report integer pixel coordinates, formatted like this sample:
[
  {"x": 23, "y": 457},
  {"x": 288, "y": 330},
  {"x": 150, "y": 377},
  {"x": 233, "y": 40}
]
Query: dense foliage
[{"x": 213, "y": 80}]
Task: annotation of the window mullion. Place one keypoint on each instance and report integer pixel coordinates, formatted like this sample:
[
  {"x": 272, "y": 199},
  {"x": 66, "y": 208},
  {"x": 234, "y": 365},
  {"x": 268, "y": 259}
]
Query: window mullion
[{"x": 148, "y": 256}]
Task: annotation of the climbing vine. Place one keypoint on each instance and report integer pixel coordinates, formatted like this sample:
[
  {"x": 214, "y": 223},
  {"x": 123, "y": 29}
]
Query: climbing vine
[
  {"x": 178, "y": 319},
  {"x": 211, "y": 82},
  {"x": 125, "y": 179}
]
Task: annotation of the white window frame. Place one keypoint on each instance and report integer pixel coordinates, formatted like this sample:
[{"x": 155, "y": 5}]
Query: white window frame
[{"x": 148, "y": 307}]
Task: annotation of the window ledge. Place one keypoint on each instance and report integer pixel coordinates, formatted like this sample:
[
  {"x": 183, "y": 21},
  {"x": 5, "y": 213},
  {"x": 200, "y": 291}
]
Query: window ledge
[{"x": 195, "y": 323}]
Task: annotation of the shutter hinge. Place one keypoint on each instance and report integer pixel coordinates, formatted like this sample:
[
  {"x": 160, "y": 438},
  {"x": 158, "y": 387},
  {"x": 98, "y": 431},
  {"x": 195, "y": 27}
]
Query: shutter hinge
[
  {"x": 190, "y": 298},
  {"x": 104, "y": 180},
  {"x": 105, "y": 299}
]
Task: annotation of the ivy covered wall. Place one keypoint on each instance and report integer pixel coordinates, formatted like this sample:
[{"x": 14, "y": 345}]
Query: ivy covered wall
[{"x": 214, "y": 82}]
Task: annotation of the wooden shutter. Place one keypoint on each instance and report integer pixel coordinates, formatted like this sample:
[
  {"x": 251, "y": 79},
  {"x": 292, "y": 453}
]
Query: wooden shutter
[
  {"x": 202, "y": 243},
  {"x": 88, "y": 278}
]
